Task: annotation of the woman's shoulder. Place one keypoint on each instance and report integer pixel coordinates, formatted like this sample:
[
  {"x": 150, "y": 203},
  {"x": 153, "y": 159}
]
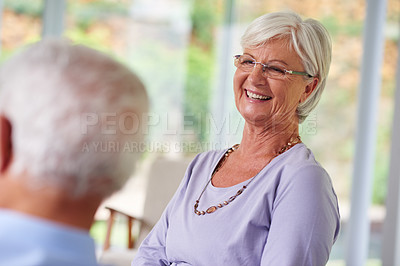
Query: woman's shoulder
[
  {"x": 299, "y": 156},
  {"x": 207, "y": 159},
  {"x": 300, "y": 162},
  {"x": 201, "y": 166}
]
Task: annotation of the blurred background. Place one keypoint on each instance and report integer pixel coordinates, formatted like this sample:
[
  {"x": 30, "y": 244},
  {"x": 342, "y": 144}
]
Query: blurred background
[{"x": 183, "y": 51}]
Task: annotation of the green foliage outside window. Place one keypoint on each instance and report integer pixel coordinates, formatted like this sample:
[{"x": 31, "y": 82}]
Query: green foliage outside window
[
  {"x": 200, "y": 65},
  {"x": 31, "y": 8}
]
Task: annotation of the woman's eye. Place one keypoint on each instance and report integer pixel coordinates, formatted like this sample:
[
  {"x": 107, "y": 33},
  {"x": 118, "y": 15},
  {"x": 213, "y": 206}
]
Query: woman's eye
[
  {"x": 276, "y": 69},
  {"x": 247, "y": 62}
]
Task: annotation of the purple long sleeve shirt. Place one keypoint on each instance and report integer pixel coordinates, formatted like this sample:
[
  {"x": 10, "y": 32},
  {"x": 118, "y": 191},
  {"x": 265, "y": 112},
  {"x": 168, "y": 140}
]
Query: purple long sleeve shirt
[{"x": 288, "y": 215}]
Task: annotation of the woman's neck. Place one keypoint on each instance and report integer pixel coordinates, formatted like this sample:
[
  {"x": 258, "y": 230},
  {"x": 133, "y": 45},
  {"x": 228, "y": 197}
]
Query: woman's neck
[{"x": 267, "y": 141}]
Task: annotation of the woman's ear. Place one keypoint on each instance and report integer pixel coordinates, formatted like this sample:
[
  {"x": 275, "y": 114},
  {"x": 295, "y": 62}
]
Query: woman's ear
[
  {"x": 309, "y": 89},
  {"x": 5, "y": 143}
]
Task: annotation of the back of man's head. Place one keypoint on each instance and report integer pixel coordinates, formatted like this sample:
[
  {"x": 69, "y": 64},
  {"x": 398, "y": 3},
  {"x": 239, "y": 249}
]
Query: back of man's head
[{"x": 72, "y": 111}]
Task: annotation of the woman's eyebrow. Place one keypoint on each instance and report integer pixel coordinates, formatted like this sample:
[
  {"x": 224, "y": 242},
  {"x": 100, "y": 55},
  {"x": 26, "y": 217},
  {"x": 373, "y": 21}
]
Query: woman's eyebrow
[
  {"x": 249, "y": 55},
  {"x": 277, "y": 61},
  {"x": 270, "y": 61}
]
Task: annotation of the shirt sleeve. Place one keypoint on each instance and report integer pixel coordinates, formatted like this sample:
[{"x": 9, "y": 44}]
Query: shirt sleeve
[
  {"x": 304, "y": 220},
  {"x": 152, "y": 251}
]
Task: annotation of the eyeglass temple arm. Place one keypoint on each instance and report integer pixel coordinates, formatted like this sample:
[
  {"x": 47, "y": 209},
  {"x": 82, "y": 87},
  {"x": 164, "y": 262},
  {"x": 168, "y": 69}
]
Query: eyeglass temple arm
[{"x": 298, "y": 73}]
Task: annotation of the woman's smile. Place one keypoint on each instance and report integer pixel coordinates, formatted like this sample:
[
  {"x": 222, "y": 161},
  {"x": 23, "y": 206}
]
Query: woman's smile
[{"x": 257, "y": 96}]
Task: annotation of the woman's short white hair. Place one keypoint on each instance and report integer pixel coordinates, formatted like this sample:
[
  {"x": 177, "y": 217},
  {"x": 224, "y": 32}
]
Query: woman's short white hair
[
  {"x": 65, "y": 104},
  {"x": 308, "y": 38}
]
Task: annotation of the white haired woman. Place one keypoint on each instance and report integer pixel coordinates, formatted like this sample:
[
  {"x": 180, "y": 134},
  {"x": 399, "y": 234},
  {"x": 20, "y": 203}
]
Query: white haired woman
[{"x": 266, "y": 201}]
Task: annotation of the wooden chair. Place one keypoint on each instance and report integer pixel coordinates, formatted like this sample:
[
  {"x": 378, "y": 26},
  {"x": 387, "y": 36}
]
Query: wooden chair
[{"x": 110, "y": 222}]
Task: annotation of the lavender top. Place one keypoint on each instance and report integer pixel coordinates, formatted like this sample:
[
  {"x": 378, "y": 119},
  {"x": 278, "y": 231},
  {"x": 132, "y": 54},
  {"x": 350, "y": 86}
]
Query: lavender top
[{"x": 288, "y": 215}]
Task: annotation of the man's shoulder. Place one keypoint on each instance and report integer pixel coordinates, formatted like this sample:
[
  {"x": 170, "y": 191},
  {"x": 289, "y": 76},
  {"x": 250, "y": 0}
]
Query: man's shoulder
[{"x": 42, "y": 242}]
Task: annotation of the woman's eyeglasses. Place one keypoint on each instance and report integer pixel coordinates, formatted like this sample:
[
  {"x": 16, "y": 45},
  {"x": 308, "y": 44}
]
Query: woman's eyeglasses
[{"x": 247, "y": 63}]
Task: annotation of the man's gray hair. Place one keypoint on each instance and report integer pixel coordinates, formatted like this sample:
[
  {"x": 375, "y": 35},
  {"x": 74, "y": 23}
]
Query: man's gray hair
[
  {"x": 65, "y": 104},
  {"x": 308, "y": 38}
]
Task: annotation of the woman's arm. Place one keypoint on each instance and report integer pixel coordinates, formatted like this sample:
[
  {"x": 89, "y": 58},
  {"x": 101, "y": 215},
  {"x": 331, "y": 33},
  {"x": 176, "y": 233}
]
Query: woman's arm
[
  {"x": 305, "y": 220},
  {"x": 152, "y": 250}
]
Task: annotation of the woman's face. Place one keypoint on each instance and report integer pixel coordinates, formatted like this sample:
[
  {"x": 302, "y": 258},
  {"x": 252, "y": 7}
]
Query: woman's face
[{"x": 279, "y": 97}]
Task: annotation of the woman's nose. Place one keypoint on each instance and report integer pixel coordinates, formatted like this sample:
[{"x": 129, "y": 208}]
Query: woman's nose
[{"x": 256, "y": 76}]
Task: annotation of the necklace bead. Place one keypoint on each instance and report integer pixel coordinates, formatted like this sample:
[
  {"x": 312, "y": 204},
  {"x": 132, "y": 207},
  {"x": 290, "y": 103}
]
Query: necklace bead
[{"x": 211, "y": 209}]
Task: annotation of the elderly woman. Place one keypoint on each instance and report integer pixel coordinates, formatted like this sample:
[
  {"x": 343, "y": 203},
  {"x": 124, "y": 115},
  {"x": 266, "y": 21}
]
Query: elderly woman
[{"x": 266, "y": 201}]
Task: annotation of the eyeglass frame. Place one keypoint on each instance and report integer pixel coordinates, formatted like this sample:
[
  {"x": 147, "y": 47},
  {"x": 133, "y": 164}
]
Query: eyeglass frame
[{"x": 265, "y": 66}]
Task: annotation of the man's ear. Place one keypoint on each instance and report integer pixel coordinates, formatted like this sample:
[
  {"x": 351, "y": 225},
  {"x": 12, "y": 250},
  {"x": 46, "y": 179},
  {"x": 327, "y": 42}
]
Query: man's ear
[
  {"x": 5, "y": 143},
  {"x": 309, "y": 89}
]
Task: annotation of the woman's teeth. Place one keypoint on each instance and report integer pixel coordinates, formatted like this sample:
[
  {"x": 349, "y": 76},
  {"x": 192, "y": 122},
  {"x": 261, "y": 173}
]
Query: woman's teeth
[{"x": 257, "y": 97}]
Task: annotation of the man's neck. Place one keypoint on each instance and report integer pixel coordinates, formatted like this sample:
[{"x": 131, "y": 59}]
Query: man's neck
[{"x": 48, "y": 203}]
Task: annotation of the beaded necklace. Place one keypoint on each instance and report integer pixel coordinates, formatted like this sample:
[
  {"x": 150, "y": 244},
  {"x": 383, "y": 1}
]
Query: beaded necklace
[{"x": 212, "y": 209}]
